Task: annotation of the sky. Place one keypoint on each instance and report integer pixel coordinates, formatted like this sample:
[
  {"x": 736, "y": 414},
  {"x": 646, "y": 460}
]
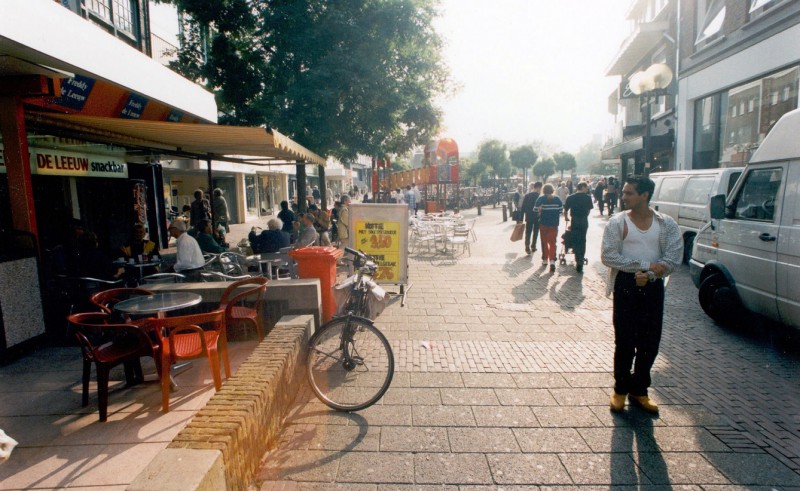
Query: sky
[
  {"x": 526, "y": 70},
  {"x": 530, "y": 69}
]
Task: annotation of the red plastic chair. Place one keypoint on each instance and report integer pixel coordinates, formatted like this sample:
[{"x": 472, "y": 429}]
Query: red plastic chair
[
  {"x": 108, "y": 345},
  {"x": 182, "y": 338},
  {"x": 106, "y": 300},
  {"x": 236, "y": 304}
]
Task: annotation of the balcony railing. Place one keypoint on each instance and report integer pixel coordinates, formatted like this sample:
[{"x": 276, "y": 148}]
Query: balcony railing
[{"x": 163, "y": 51}]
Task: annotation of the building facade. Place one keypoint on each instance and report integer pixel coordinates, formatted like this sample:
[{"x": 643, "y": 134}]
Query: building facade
[
  {"x": 739, "y": 66},
  {"x": 652, "y": 40}
]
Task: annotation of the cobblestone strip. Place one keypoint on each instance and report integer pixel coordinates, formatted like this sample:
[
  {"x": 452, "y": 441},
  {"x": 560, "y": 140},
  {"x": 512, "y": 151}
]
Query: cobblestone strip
[{"x": 502, "y": 357}]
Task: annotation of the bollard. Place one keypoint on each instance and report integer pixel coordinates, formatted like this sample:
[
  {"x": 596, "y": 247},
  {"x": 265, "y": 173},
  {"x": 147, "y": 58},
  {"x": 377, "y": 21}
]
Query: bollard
[
  {"x": 505, "y": 213},
  {"x": 479, "y": 209}
]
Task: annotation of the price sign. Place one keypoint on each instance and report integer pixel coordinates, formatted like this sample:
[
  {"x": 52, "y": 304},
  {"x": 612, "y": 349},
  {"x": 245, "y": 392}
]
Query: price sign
[
  {"x": 381, "y": 230},
  {"x": 381, "y": 241}
]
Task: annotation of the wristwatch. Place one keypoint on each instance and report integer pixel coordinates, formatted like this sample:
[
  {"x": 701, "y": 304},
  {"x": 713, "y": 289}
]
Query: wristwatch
[{"x": 651, "y": 276}]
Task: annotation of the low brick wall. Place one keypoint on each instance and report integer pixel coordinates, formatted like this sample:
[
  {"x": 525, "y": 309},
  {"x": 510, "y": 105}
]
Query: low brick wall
[{"x": 241, "y": 421}]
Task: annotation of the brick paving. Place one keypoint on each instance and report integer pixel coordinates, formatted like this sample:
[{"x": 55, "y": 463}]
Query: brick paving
[{"x": 502, "y": 382}]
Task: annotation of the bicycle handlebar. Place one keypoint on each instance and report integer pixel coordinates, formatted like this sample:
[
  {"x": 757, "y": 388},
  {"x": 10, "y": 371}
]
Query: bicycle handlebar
[{"x": 355, "y": 253}]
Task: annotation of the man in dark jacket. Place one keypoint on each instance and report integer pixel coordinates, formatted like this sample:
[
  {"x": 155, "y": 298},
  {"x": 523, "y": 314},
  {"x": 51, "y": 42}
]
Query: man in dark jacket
[
  {"x": 598, "y": 194},
  {"x": 531, "y": 216},
  {"x": 577, "y": 209}
]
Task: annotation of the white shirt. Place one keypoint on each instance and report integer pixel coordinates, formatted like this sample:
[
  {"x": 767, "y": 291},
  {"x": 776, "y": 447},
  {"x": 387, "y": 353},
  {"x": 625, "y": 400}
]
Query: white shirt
[
  {"x": 189, "y": 254},
  {"x": 642, "y": 244}
]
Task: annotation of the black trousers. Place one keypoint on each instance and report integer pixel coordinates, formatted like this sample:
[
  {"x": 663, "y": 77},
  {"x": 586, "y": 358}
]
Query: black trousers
[
  {"x": 531, "y": 226},
  {"x": 579, "y": 229},
  {"x": 638, "y": 314}
]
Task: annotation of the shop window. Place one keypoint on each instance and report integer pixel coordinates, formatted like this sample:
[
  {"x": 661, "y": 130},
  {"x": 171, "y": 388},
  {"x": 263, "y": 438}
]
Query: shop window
[
  {"x": 711, "y": 17},
  {"x": 706, "y": 132},
  {"x": 739, "y": 135}
]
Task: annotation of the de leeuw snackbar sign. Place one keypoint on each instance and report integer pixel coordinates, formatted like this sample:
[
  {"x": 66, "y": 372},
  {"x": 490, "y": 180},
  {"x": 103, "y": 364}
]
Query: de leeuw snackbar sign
[{"x": 45, "y": 161}]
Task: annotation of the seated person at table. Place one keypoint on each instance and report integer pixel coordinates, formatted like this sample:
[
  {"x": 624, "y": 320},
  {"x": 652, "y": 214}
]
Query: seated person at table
[
  {"x": 94, "y": 263},
  {"x": 205, "y": 240},
  {"x": 189, "y": 257},
  {"x": 307, "y": 236},
  {"x": 271, "y": 240}
]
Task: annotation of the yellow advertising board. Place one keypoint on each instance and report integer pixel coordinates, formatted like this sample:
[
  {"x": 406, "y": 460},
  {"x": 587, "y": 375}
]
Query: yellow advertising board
[{"x": 381, "y": 230}]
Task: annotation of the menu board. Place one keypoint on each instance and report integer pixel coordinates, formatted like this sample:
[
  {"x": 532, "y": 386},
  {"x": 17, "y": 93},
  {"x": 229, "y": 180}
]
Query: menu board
[{"x": 381, "y": 230}]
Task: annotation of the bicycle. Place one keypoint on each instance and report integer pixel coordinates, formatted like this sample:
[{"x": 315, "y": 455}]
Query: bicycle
[{"x": 350, "y": 362}]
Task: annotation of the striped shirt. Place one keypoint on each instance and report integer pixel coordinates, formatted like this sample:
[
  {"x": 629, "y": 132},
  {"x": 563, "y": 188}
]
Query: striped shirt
[
  {"x": 670, "y": 245},
  {"x": 550, "y": 213}
]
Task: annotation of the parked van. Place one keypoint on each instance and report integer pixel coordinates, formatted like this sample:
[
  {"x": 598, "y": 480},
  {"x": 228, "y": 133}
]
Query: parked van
[
  {"x": 684, "y": 195},
  {"x": 748, "y": 255}
]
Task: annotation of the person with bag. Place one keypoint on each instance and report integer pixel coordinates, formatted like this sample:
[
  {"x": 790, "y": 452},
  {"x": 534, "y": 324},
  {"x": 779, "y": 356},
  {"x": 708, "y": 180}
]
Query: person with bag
[
  {"x": 531, "y": 215},
  {"x": 549, "y": 207},
  {"x": 516, "y": 213}
]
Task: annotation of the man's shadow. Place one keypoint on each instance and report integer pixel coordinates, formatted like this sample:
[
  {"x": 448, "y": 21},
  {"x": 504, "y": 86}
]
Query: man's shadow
[{"x": 633, "y": 432}]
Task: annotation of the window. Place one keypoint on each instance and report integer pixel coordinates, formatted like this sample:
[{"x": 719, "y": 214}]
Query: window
[
  {"x": 707, "y": 132},
  {"x": 732, "y": 180},
  {"x": 710, "y": 20},
  {"x": 733, "y": 112},
  {"x": 698, "y": 190},
  {"x": 102, "y": 8},
  {"x": 123, "y": 17},
  {"x": 756, "y": 201},
  {"x": 671, "y": 189},
  {"x": 120, "y": 13}
]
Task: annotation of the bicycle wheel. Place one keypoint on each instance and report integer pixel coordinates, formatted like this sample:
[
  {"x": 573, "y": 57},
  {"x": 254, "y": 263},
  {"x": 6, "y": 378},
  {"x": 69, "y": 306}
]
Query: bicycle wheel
[{"x": 350, "y": 363}]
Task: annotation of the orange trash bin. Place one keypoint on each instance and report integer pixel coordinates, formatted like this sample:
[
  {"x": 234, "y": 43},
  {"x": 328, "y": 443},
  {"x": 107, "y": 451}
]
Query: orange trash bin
[{"x": 320, "y": 262}]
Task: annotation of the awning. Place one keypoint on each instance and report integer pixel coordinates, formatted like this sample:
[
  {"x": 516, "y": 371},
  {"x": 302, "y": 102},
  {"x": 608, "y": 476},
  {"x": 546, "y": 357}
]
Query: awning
[{"x": 202, "y": 141}]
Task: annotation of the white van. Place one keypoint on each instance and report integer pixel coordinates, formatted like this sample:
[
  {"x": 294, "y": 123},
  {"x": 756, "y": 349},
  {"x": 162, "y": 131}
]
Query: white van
[
  {"x": 749, "y": 253},
  {"x": 684, "y": 195}
]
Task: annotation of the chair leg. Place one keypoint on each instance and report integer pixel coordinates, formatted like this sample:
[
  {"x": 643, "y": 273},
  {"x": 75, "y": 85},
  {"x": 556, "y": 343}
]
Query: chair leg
[
  {"x": 102, "y": 391},
  {"x": 165, "y": 380},
  {"x": 213, "y": 361},
  {"x": 87, "y": 372}
]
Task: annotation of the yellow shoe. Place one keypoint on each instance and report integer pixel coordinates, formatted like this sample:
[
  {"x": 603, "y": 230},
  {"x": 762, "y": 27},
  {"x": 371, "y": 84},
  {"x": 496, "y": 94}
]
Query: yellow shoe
[
  {"x": 617, "y": 403},
  {"x": 644, "y": 402}
]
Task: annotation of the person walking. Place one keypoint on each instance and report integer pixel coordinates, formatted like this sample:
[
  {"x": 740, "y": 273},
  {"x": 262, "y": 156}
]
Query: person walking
[
  {"x": 562, "y": 191},
  {"x": 201, "y": 209},
  {"x": 577, "y": 207},
  {"x": 417, "y": 198},
  {"x": 220, "y": 211},
  {"x": 640, "y": 247},
  {"x": 343, "y": 225},
  {"x": 531, "y": 216},
  {"x": 411, "y": 199},
  {"x": 598, "y": 194},
  {"x": 549, "y": 207},
  {"x": 611, "y": 195}
]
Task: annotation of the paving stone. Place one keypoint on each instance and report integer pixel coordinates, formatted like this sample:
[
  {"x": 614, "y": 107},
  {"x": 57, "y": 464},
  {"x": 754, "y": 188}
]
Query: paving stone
[
  {"x": 679, "y": 468},
  {"x": 604, "y": 381},
  {"x": 619, "y": 439},
  {"x": 550, "y": 440},
  {"x": 371, "y": 467},
  {"x": 558, "y": 416},
  {"x": 539, "y": 380},
  {"x": 443, "y": 416},
  {"x": 525, "y": 397},
  {"x": 749, "y": 469},
  {"x": 414, "y": 439},
  {"x": 436, "y": 380},
  {"x": 687, "y": 439},
  {"x": 416, "y": 396},
  {"x": 300, "y": 465},
  {"x": 528, "y": 469},
  {"x": 489, "y": 380},
  {"x": 337, "y": 437},
  {"x": 505, "y": 416},
  {"x": 491, "y": 440},
  {"x": 417, "y": 487},
  {"x": 469, "y": 397},
  {"x": 452, "y": 469},
  {"x": 599, "y": 468},
  {"x": 580, "y": 396},
  {"x": 382, "y": 415}
]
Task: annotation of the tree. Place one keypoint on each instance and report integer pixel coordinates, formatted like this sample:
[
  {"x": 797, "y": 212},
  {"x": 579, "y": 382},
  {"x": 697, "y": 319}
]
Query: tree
[
  {"x": 522, "y": 158},
  {"x": 341, "y": 78},
  {"x": 588, "y": 156},
  {"x": 475, "y": 171},
  {"x": 544, "y": 168},
  {"x": 494, "y": 154},
  {"x": 564, "y": 161}
]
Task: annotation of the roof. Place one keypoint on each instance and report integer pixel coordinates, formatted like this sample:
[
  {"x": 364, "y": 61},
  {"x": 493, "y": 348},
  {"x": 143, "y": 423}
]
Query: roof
[{"x": 219, "y": 142}]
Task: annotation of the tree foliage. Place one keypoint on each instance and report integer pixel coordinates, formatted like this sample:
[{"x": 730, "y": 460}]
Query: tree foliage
[
  {"x": 565, "y": 161},
  {"x": 522, "y": 158},
  {"x": 494, "y": 154},
  {"x": 544, "y": 168},
  {"x": 588, "y": 156},
  {"x": 340, "y": 78},
  {"x": 475, "y": 171}
]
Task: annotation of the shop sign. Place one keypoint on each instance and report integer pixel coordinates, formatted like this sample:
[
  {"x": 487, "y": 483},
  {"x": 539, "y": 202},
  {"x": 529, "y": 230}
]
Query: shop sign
[
  {"x": 47, "y": 162},
  {"x": 134, "y": 107},
  {"x": 75, "y": 91}
]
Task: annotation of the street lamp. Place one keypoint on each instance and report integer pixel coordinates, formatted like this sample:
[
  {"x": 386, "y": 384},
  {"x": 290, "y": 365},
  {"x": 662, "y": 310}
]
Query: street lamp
[{"x": 652, "y": 81}]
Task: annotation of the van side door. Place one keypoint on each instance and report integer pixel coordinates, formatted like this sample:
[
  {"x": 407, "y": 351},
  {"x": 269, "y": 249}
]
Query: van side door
[
  {"x": 749, "y": 237},
  {"x": 668, "y": 198},
  {"x": 788, "y": 266},
  {"x": 694, "y": 206}
]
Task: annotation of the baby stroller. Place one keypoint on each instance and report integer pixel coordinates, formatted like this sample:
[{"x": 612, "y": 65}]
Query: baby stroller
[{"x": 566, "y": 248}]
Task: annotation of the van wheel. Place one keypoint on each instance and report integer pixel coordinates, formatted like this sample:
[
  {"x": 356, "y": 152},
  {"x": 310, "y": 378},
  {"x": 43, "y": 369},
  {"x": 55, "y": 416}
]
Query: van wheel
[
  {"x": 688, "y": 244},
  {"x": 718, "y": 299}
]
